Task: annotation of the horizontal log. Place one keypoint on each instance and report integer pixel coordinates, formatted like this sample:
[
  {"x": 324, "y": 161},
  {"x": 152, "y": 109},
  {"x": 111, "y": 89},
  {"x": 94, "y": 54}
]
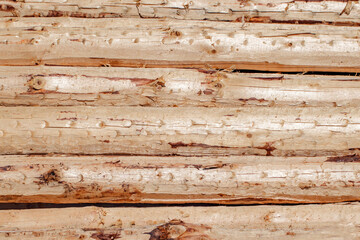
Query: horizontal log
[
  {"x": 53, "y": 86},
  {"x": 137, "y": 179},
  {"x": 172, "y": 43},
  {"x": 316, "y": 12},
  {"x": 277, "y": 131},
  {"x": 250, "y": 222},
  {"x": 122, "y": 130}
]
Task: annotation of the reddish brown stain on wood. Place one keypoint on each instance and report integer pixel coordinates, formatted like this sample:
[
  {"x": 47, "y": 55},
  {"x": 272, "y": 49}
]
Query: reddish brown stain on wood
[
  {"x": 124, "y": 193},
  {"x": 207, "y": 71},
  {"x": 215, "y": 166},
  {"x": 290, "y": 234},
  {"x": 179, "y": 230},
  {"x": 269, "y": 78},
  {"x": 32, "y": 91},
  {"x": 252, "y": 99},
  {"x": 6, "y": 168},
  {"x": 7, "y": 8},
  {"x": 101, "y": 235},
  {"x": 160, "y": 166},
  {"x": 111, "y": 92},
  {"x": 181, "y": 144},
  {"x": 305, "y": 186},
  {"x": 56, "y": 13},
  {"x": 52, "y": 175},
  {"x": 268, "y": 148},
  {"x": 60, "y": 75},
  {"x": 268, "y": 19},
  {"x": 98, "y": 62},
  {"x": 69, "y": 118},
  {"x": 345, "y": 159},
  {"x": 87, "y": 195},
  {"x": 208, "y": 91},
  {"x": 346, "y": 80}
]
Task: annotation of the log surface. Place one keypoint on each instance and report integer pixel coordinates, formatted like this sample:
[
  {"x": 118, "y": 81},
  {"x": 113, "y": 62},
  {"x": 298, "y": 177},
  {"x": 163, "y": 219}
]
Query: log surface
[
  {"x": 252, "y": 222},
  {"x": 284, "y": 11},
  {"x": 201, "y": 102},
  {"x": 168, "y": 87},
  {"x": 130, "y": 179},
  {"x": 182, "y": 44},
  {"x": 189, "y": 131}
]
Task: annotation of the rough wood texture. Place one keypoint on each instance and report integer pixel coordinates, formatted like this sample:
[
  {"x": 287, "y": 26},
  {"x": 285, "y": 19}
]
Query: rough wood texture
[
  {"x": 161, "y": 87},
  {"x": 270, "y": 131},
  {"x": 229, "y": 180},
  {"x": 284, "y": 11},
  {"x": 173, "y": 43},
  {"x": 155, "y": 101},
  {"x": 208, "y": 223}
]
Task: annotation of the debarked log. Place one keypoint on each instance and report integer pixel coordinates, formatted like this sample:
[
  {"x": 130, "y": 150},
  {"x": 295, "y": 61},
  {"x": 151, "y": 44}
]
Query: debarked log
[
  {"x": 171, "y": 87},
  {"x": 278, "y": 11},
  {"x": 182, "y": 223},
  {"x": 179, "y": 180},
  {"x": 187, "y": 131},
  {"x": 180, "y": 44}
]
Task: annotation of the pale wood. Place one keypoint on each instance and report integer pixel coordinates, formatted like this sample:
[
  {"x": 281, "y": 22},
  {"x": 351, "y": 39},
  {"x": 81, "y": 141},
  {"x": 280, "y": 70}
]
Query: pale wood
[
  {"x": 191, "y": 44},
  {"x": 164, "y": 90},
  {"x": 277, "y": 131},
  {"x": 137, "y": 179},
  {"x": 329, "y": 221},
  {"x": 164, "y": 87},
  {"x": 317, "y": 12}
]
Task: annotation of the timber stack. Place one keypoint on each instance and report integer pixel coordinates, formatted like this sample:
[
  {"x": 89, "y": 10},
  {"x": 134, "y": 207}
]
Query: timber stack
[{"x": 179, "y": 119}]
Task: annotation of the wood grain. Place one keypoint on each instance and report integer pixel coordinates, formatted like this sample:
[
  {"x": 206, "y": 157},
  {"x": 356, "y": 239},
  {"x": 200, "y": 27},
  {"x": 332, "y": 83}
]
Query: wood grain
[
  {"x": 270, "y": 131},
  {"x": 285, "y": 11},
  {"x": 180, "y": 44},
  {"x": 336, "y": 221},
  {"x": 169, "y": 180},
  {"x": 203, "y": 102},
  {"x": 167, "y": 87}
]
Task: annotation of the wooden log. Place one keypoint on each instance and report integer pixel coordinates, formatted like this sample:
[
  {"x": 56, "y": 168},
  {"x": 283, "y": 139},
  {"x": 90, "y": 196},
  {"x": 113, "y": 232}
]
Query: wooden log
[
  {"x": 169, "y": 180},
  {"x": 181, "y": 44},
  {"x": 285, "y": 11},
  {"x": 250, "y": 222},
  {"x": 188, "y": 131},
  {"x": 168, "y": 120},
  {"x": 161, "y": 87}
]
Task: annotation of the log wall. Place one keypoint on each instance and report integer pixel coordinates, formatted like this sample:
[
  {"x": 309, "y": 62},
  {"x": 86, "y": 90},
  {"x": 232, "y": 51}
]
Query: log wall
[{"x": 177, "y": 119}]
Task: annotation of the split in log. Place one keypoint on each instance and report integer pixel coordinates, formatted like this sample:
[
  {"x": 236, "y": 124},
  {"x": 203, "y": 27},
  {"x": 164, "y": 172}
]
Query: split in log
[{"x": 179, "y": 180}]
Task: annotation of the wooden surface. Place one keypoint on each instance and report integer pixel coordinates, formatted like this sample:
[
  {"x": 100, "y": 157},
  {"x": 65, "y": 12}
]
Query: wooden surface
[
  {"x": 284, "y": 11},
  {"x": 169, "y": 87},
  {"x": 179, "y": 120},
  {"x": 140, "y": 179},
  {"x": 267, "y": 131},
  {"x": 127, "y": 42},
  {"x": 208, "y": 223}
]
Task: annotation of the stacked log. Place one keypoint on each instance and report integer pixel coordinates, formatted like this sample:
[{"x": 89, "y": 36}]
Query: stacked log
[{"x": 179, "y": 119}]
